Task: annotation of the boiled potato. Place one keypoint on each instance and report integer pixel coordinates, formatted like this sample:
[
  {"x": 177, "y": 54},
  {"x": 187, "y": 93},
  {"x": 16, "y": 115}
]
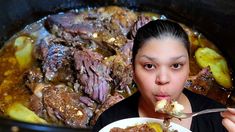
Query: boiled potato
[
  {"x": 23, "y": 52},
  {"x": 156, "y": 126},
  {"x": 19, "y": 112},
  {"x": 217, "y": 63}
]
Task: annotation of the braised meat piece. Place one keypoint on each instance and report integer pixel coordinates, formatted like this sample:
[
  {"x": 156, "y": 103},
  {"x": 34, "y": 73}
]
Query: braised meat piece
[
  {"x": 57, "y": 64},
  {"x": 85, "y": 23},
  {"x": 60, "y": 104},
  {"x": 137, "y": 128},
  {"x": 71, "y": 26},
  {"x": 201, "y": 82},
  {"x": 32, "y": 77},
  {"x": 92, "y": 74},
  {"x": 103, "y": 28},
  {"x": 110, "y": 101},
  {"x": 116, "y": 23},
  {"x": 88, "y": 102},
  {"x": 42, "y": 47},
  {"x": 36, "y": 105},
  {"x": 141, "y": 21},
  {"x": 63, "y": 105},
  {"x": 121, "y": 73},
  {"x": 56, "y": 61},
  {"x": 126, "y": 52},
  {"x": 121, "y": 19}
]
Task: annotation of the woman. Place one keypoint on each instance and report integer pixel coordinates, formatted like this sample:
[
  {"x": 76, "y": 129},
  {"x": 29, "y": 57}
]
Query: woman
[{"x": 161, "y": 67}]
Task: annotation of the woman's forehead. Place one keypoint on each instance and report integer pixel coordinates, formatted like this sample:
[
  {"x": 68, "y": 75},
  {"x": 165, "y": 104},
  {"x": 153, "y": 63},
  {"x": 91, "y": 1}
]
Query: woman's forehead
[
  {"x": 165, "y": 44},
  {"x": 163, "y": 48}
]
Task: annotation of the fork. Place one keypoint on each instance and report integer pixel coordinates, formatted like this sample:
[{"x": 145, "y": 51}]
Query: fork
[{"x": 187, "y": 115}]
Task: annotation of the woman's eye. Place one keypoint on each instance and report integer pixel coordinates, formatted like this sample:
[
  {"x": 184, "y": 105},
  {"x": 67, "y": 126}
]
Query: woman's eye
[
  {"x": 176, "y": 66},
  {"x": 149, "y": 66}
]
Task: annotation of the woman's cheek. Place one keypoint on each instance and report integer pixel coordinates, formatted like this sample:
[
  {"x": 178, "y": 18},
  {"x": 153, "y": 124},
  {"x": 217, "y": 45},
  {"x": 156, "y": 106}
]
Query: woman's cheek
[
  {"x": 143, "y": 79},
  {"x": 179, "y": 80}
]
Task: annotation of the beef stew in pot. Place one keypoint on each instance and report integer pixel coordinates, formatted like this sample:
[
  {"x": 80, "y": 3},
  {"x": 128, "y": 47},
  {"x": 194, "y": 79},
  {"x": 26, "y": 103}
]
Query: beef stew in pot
[{"x": 69, "y": 67}]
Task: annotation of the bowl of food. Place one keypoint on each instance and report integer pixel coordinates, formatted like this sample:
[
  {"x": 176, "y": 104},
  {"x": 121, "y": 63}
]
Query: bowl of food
[{"x": 143, "y": 124}]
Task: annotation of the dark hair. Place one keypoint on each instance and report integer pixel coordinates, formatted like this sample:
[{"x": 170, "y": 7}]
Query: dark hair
[{"x": 159, "y": 29}]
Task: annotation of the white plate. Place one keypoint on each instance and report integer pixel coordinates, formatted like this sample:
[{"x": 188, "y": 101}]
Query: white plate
[{"x": 124, "y": 123}]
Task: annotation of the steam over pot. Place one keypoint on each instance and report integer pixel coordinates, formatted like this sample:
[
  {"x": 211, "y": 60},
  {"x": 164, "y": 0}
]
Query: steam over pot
[{"x": 214, "y": 18}]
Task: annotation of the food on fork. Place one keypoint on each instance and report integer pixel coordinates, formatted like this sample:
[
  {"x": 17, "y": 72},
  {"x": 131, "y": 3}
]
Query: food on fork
[{"x": 169, "y": 107}]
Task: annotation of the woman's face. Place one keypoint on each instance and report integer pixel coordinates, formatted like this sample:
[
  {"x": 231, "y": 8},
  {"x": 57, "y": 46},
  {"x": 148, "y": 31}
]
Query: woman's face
[{"x": 161, "y": 68}]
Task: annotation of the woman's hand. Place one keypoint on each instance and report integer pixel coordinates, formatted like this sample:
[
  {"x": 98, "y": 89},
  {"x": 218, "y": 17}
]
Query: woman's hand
[{"x": 229, "y": 119}]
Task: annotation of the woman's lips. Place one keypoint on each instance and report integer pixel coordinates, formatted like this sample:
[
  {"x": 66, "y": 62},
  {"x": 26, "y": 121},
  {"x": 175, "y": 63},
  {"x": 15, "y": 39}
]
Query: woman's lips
[{"x": 161, "y": 97}]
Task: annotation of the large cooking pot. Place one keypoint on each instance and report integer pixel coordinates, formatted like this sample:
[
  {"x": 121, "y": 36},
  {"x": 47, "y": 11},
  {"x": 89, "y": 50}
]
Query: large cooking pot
[{"x": 214, "y": 18}]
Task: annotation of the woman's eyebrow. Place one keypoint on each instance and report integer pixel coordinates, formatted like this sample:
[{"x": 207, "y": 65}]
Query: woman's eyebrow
[
  {"x": 149, "y": 58},
  {"x": 178, "y": 57},
  {"x": 155, "y": 59}
]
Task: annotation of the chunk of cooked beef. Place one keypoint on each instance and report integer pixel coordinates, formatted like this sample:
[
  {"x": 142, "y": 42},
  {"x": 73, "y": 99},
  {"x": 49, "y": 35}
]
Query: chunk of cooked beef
[
  {"x": 41, "y": 48},
  {"x": 136, "y": 128},
  {"x": 85, "y": 23},
  {"x": 110, "y": 101},
  {"x": 37, "y": 90},
  {"x": 141, "y": 21},
  {"x": 32, "y": 77},
  {"x": 121, "y": 19},
  {"x": 74, "y": 28},
  {"x": 105, "y": 27},
  {"x": 70, "y": 24},
  {"x": 57, "y": 64},
  {"x": 121, "y": 73},
  {"x": 122, "y": 76},
  {"x": 88, "y": 102},
  {"x": 201, "y": 82},
  {"x": 62, "y": 104},
  {"x": 110, "y": 40},
  {"x": 116, "y": 23},
  {"x": 36, "y": 105},
  {"x": 92, "y": 74},
  {"x": 126, "y": 52}
]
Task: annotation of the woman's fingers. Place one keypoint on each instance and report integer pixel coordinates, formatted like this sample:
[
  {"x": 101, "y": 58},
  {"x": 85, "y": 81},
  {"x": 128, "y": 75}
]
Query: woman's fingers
[
  {"x": 229, "y": 119},
  {"x": 230, "y": 114},
  {"x": 229, "y": 125},
  {"x": 232, "y": 110}
]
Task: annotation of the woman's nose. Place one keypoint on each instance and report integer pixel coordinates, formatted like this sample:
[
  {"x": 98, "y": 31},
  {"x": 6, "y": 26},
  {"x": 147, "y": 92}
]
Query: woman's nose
[{"x": 162, "y": 77}]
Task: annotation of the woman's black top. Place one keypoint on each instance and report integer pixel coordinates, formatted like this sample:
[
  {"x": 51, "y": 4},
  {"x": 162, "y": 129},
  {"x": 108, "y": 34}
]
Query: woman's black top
[{"x": 128, "y": 108}]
